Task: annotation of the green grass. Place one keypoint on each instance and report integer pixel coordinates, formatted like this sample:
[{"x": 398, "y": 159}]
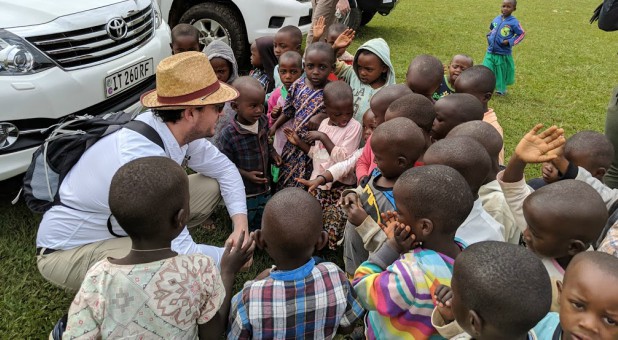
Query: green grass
[{"x": 564, "y": 77}]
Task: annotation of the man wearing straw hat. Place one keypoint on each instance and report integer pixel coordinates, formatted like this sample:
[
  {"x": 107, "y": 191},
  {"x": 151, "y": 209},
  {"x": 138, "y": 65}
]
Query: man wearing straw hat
[{"x": 185, "y": 108}]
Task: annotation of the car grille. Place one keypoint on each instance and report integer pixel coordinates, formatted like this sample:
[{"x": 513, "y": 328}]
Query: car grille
[{"x": 91, "y": 45}]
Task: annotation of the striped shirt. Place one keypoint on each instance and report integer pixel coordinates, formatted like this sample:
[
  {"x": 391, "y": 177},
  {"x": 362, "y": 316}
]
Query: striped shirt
[
  {"x": 399, "y": 296},
  {"x": 309, "y": 302}
]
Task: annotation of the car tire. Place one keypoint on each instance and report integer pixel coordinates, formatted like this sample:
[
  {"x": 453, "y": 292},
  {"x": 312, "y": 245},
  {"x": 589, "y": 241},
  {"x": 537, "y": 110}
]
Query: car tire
[
  {"x": 352, "y": 19},
  {"x": 366, "y": 17},
  {"x": 217, "y": 21}
]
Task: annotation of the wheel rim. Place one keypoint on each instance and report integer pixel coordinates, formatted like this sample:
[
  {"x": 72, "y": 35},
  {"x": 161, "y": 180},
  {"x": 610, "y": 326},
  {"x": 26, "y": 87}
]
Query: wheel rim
[{"x": 211, "y": 30}]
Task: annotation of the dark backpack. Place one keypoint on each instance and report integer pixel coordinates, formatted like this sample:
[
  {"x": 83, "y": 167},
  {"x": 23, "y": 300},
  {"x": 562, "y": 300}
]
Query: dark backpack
[{"x": 53, "y": 160}]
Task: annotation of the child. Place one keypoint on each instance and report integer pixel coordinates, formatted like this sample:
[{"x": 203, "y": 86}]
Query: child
[
  {"x": 470, "y": 159},
  {"x": 245, "y": 142},
  {"x": 480, "y": 82},
  {"x": 297, "y": 298},
  {"x": 153, "y": 291},
  {"x": 379, "y": 103},
  {"x": 453, "y": 110},
  {"x": 335, "y": 141},
  {"x": 288, "y": 38},
  {"x": 396, "y": 285},
  {"x": 492, "y": 295},
  {"x": 417, "y": 108},
  {"x": 397, "y": 145},
  {"x": 490, "y": 193},
  {"x": 185, "y": 38},
  {"x": 263, "y": 60},
  {"x": 304, "y": 105},
  {"x": 371, "y": 70},
  {"x": 290, "y": 68},
  {"x": 424, "y": 75},
  {"x": 505, "y": 32},
  {"x": 458, "y": 64},
  {"x": 552, "y": 216},
  {"x": 224, "y": 64},
  {"x": 588, "y": 298}
]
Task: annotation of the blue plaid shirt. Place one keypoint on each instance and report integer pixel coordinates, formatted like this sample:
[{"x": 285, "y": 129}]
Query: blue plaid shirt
[
  {"x": 248, "y": 151},
  {"x": 309, "y": 302}
]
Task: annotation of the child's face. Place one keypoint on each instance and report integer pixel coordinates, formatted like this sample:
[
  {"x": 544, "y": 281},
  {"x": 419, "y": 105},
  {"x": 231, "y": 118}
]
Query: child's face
[
  {"x": 507, "y": 8},
  {"x": 250, "y": 105},
  {"x": 541, "y": 235},
  {"x": 589, "y": 303},
  {"x": 421, "y": 85},
  {"x": 550, "y": 173},
  {"x": 331, "y": 38},
  {"x": 386, "y": 159},
  {"x": 370, "y": 68},
  {"x": 446, "y": 119},
  {"x": 457, "y": 65},
  {"x": 369, "y": 124},
  {"x": 317, "y": 68},
  {"x": 339, "y": 111},
  {"x": 221, "y": 68},
  {"x": 256, "y": 61},
  {"x": 185, "y": 43},
  {"x": 289, "y": 72},
  {"x": 284, "y": 42}
]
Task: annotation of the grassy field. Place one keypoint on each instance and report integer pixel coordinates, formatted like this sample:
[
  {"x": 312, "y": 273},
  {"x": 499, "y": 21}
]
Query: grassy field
[{"x": 563, "y": 73}]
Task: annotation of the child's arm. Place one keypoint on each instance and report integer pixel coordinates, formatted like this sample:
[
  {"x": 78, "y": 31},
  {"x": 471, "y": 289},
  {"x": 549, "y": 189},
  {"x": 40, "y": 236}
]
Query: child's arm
[
  {"x": 322, "y": 137},
  {"x": 364, "y": 162},
  {"x": 318, "y": 29},
  {"x": 231, "y": 262},
  {"x": 343, "y": 70},
  {"x": 295, "y": 139},
  {"x": 344, "y": 149},
  {"x": 334, "y": 173},
  {"x": 442, "y": 318},
  {"x": 287, "y": 112},
  {"x": 518, "y": 34}
]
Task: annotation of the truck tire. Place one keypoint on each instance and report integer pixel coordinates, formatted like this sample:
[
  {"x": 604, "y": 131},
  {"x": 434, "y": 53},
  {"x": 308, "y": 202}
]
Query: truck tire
[
  {"x": 352, "y": 19},
  {"x": 366, "y": 17},
  {"x": 217, "y": 21}
]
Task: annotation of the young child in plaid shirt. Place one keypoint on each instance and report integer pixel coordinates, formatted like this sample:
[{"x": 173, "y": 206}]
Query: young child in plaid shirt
[
  {"x": 245, "y": 142},
  {"x": 297, "y": 298}
]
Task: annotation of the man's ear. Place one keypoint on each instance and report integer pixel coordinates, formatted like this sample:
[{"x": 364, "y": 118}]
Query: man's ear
[
  {"x": 476, "y": 323},
  {"x": 322, "y": 240},
  {"x": 487, "y": 96},
  {"x": 259, "y": 240},
  {"x": 180, "y": 220},
  {"x": 577, "y": 246}
]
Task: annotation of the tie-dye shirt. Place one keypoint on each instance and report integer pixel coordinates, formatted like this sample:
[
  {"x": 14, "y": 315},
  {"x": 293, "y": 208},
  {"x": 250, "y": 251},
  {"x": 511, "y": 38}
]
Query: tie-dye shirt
[{"x": 398, "y": 292}]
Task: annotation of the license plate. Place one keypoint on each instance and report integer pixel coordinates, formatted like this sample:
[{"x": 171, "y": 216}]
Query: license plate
[{"x": 128, "y": 77}]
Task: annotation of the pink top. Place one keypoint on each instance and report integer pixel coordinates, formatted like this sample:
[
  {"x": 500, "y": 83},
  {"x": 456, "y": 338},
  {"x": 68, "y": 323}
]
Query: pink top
[
  {"x": 365, "y": 164},
  {"x": 346, "y": 140},
  {"x": 277, "y": 98}
]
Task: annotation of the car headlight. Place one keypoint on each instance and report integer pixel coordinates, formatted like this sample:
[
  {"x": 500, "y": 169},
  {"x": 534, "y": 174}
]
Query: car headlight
[
  {"x": 18, "y": 57},
  {"x": 157, "y": 13}
]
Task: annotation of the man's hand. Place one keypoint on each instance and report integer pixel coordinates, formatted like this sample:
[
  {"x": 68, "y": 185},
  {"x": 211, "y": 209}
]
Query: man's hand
[
  {"x": 318, "y": 28},
  {"x": 343, "y": 6},
  {"x": 311, "y": 184},
  {"x": 315, "y": 135},
  {"x": 275, "y": 112},
  {"x": 276, "y": 158},
  {"x": 344, "y": 40},
  {"x": 535, "y": 147},
  {"x": 444, "y": 296},
  {"x": 292, "y": 136}
]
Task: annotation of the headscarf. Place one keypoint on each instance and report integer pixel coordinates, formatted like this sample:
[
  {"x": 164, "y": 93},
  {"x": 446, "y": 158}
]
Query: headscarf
[{"x": 269, "y": 60}]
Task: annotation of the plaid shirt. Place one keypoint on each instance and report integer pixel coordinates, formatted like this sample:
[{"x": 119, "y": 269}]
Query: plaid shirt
[
  {"x": 309, "y": 302},
  {"x": 248, "y": 151}
]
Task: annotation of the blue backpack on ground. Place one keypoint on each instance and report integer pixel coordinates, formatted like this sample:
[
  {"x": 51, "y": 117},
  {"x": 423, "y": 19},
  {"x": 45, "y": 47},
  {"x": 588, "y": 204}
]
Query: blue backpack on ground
[{"x": 53, "y": 160}]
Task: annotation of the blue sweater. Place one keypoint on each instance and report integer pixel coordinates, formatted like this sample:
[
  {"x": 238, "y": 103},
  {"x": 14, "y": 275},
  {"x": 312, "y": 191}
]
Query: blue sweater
[{"x": 504, "y": 29}]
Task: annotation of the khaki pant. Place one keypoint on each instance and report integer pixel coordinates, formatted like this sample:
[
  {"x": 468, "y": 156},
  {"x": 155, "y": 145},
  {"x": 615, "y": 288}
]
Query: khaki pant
[
  {"x": 322, "y": 8},
  {"x": 67, "y": 268}
]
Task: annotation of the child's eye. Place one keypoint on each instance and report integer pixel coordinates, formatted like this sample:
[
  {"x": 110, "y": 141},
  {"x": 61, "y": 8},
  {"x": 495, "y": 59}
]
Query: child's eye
[
  {"x": 609, "y": 321},
  {"x": 322, "y": 67},
  {"x": 577, "y": 305}
]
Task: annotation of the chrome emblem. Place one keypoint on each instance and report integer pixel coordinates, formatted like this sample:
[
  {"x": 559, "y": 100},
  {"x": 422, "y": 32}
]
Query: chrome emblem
[{"x": 116, "y": 28}]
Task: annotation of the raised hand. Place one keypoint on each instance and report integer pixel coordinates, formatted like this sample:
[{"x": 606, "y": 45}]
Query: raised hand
[
  {"x": 344, "y": 40},
  {"x": 444, "y": 296},
  {"x": 536, "y": 147},
  {"x": 318, "y": 28},
  {"x": 292, "y": 136}
]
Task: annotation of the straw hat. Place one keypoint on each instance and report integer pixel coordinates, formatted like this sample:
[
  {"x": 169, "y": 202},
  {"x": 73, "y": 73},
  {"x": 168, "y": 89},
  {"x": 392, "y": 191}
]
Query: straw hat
[{"x": 187, "y": 79}]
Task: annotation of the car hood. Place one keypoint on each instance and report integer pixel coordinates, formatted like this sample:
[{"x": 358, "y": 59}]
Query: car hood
[{"x": 35, "y": 12}]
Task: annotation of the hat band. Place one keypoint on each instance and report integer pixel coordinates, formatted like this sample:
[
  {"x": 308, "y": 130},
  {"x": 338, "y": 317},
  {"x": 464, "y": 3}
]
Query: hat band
[{"x": 205, "y": 92}]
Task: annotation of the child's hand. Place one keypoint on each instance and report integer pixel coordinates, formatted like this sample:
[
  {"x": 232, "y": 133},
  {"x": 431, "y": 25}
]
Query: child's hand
[
  {"x": 389, "y": 220},
  {"x": 351, "y": 198},
  {"x": 444, "y": 296},
  {"x": 315, "y": 121},
  {"x": 292, "y": 136},
  {"x": 315, "y": 135},
  {"x": 275, "y": 112},
  {"x": 318, "y": 28},
  {"x": 236, "y": 254},
  {"x": 256, "y": 177},
  {"x": 271, "y": 132},
  {"x": 312, "y": 184},
  {"x": 356, "y": 213},
  {"x": 535, "y": 147},
  {"x": 276, "y": 158},
  {"x": 505, "y": 42},
  {"x": 344, "y": 40},
  {"x": 399, "y": 235}
]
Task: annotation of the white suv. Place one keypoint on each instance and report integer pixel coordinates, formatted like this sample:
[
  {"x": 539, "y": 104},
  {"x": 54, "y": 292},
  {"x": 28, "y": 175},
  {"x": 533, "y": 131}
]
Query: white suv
[
  {"x": 60, "y": 58},
  {"x": 238, "y": 22}
]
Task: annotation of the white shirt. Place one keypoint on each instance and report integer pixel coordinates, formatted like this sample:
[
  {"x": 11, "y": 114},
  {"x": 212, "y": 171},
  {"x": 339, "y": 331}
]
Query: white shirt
[
  {"x": 86, "y": 187},
  {"x": 480, "y": 226}
]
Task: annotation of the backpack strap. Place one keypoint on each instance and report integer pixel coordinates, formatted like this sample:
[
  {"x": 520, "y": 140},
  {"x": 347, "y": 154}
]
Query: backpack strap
[{"x": 146, "y": 131}]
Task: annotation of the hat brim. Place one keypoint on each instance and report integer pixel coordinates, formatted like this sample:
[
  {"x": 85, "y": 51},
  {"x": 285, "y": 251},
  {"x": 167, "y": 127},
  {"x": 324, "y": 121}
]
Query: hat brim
[{"x": 225, "y": 93}]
